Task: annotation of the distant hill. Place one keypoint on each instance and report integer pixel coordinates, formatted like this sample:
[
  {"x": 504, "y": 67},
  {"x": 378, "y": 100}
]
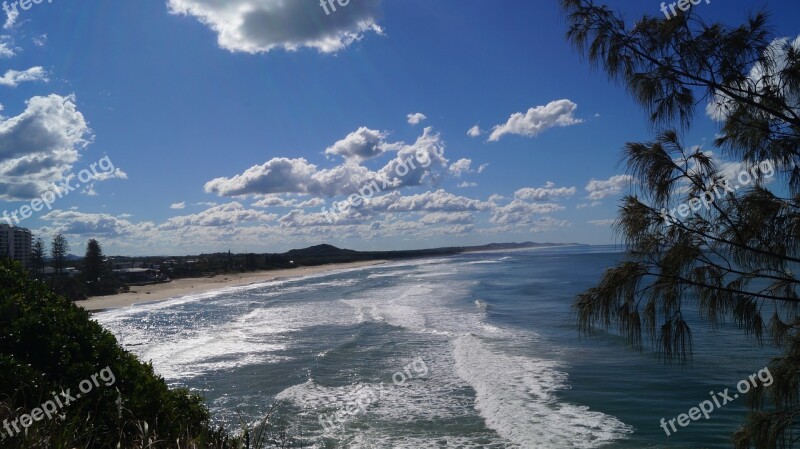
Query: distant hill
[
  {"x": 177, "y": 267},
  {"x": 325, "y": 254},
  {"x": 69, "y": 257}
]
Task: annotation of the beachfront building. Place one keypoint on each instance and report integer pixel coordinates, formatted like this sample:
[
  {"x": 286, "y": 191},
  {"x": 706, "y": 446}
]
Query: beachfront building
[
  {"x": 140, "y": 276},
  {"x": 15, "y": 243}
]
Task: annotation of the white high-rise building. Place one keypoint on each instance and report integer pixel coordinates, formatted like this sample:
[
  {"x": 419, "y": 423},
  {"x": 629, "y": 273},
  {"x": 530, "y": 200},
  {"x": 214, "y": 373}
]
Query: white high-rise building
[{"x": 15, "y": 243}]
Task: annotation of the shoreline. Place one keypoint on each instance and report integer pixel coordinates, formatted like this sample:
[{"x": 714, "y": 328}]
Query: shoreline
[{"x": 189, "y": 286}]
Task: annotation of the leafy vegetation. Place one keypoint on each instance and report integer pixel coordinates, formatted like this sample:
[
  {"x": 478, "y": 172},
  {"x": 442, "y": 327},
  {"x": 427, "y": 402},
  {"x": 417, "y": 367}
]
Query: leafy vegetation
[
  {"x": 735, "y": 260},
  {"x": 47, "y": 345}
]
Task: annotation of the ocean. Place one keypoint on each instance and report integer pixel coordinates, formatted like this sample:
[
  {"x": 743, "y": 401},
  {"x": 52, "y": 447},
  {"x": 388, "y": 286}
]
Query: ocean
[{"x": 478, "y": 350}]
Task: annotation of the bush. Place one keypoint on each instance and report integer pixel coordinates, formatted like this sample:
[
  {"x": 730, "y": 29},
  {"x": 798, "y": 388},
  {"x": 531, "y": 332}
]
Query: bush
[{"x": 47, "y": 345}]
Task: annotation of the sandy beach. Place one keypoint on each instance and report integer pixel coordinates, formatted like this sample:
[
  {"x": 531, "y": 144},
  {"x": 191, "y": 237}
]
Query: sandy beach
[{"x": 188, "y": 286}]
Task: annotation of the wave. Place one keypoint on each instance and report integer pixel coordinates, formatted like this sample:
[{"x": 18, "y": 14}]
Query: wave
[{"x": 517, "y": 397}]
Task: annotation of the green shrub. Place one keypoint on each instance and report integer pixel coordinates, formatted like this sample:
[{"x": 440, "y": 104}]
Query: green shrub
[{"x": 47, "y": 344}]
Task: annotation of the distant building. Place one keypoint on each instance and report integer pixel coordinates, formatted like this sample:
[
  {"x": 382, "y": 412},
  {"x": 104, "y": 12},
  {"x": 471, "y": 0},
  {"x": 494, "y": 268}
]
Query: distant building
[
  {"x": 15, "y": 243},
  {"x": 140, "y": 276}
]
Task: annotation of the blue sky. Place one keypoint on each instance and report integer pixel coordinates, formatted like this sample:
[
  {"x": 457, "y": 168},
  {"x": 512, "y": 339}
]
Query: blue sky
[{"x": 231, "y": 127}]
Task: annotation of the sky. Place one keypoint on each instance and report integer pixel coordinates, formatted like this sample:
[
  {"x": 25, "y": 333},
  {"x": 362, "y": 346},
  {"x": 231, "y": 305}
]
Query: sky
[{"x": 192, "y": 126}]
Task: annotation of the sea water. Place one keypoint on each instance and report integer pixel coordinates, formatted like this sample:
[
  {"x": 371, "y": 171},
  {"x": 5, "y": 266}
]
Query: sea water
[{"x": 504, "y": 364}]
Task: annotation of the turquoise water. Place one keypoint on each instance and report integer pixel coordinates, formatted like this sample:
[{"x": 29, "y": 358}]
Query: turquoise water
[{"x": 473, "y": 351}]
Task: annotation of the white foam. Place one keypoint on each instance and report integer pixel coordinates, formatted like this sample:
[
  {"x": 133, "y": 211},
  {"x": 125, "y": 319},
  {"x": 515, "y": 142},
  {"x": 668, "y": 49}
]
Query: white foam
[
  {"x": 183, "y": 347},
  {"x": 517, "y": 396}
]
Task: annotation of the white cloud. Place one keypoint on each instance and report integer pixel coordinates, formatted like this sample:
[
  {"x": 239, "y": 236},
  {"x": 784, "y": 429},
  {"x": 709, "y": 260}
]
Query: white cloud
[
  {"x": 464, "y": 166},
  {"x": 178, "y": 206},
  {"x": 761, "y": 79},
  {"x": 83, "y": 224},
  {"x": 277, "y": 201},
  {"x": 362, "y": 144},
  {"x": 40, "y": 41},
  {"x": 465, "y": 184},
  {"x": 521, "y": 213},
  {"x": 558, "y": 113},
  {"x": 436, "y": 201},
  {"x": 258, "y": 26},
  {"x": 475, "y": 131},
  {"x": 298, "y": 176},
  {"x": 602, "y": 222},
  {"x": 222, "y": 215},
  {"x": 113, "y": 174},
  {"x": 461, "y": 167},
  {"x": 11, "y": 17},
  {"x": 545, "y": 224},
  {"x": 12, "y": 78},
  {"x": 436, "y": 218},
  {"x": 416, "y": 118},
  {"x": 599, "y": 190},
  {"x": 7, "y": 49},
  {"x": 40, "y": 146},
  {"x": 273, "y": 201},
  {"x": 547, "y": 193}
]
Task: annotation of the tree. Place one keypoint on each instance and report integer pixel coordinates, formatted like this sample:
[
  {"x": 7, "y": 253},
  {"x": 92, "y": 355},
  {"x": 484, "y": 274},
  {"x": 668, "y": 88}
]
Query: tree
[
  {"x": 37, "y": 257},
  {"x": 58, "y": 252},
  {"x": 733, "y": 256},
  {"x": 94, "y": 268},
  {"x": 48, "y": 344}
]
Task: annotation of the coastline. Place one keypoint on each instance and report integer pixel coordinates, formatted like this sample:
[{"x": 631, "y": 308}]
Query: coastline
[{"x": 189, "y": 286}]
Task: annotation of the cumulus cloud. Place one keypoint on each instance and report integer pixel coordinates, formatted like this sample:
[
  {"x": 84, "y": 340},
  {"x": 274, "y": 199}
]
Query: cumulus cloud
[
  {"x": 178, "y": 206},
  {"x": 283, "y": 175},
  {"x": 475, "y": 131},
  {"x": 298, "y": 176},
  {"x": 600, "y": 189},
  {"x": 547, "y": 193},
  {"x": 40, "y": 146},
  {"x": 12, "y": 78},
  {"x": 277, "y": 201},
  {"x": 7, "y": 49},
  {"x": 436, "y": 218},
  {"x": 223, "y": 215},
  {"x": 362, "y": 144},
  {"x": 461, "y": 167},
  {"x": 558, "y": 113},
  {"x": 258, "y": 26},
  {"x": 432, "y": 201},
  {"x": 545, "y": 224},
  {"x": 464, "y": 166},
  {"x": 465, "y": 184},
  {"x": 83, "y": 224},
  {"x": 416, "y": 118},
  {"x": 520, "y": 213}
]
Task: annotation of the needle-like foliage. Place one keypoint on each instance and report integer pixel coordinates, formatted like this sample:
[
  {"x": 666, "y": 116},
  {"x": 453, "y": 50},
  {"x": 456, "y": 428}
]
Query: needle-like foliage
[{"x": 731, "y": 252}]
